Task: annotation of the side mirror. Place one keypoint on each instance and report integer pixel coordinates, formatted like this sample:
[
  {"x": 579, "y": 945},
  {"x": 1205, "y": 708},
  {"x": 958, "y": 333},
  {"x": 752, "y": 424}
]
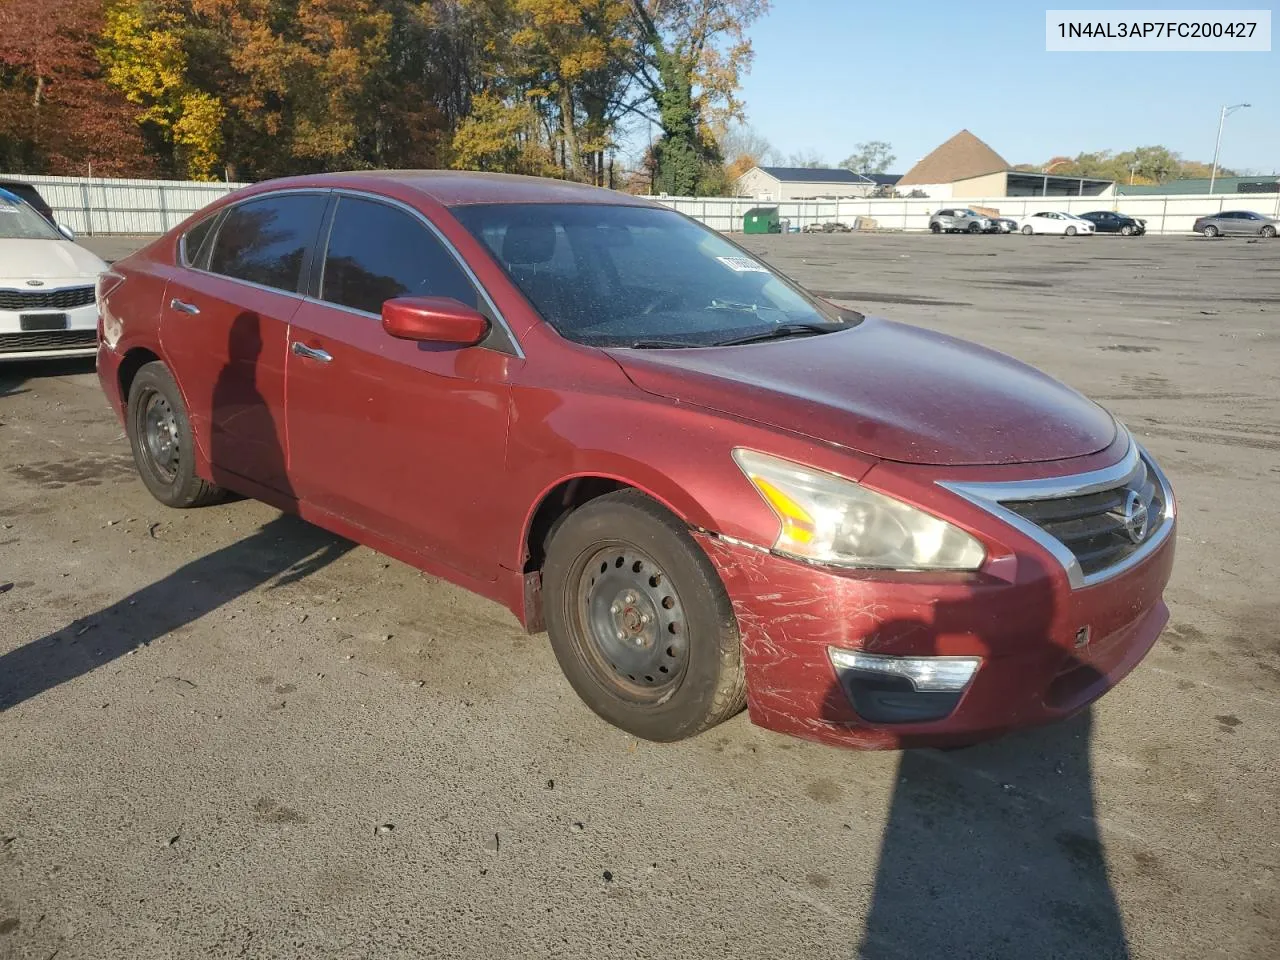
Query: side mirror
[
  {"x": 66, "y": 231},
  {"x": 434, "y": 320}
]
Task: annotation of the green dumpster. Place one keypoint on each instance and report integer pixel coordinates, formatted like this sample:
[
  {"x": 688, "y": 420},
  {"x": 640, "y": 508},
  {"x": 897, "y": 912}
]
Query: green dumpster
[{"x": 761, "y": 220}]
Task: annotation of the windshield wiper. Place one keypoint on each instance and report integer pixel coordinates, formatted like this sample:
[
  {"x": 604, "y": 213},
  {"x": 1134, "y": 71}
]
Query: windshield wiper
[
  {"x": 782, "y": 331},
  {"x": 661, "y": 345}
]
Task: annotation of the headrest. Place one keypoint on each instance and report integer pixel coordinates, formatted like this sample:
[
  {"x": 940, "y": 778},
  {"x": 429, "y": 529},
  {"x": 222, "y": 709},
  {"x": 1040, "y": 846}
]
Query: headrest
[{"x": 526, "y": 244}]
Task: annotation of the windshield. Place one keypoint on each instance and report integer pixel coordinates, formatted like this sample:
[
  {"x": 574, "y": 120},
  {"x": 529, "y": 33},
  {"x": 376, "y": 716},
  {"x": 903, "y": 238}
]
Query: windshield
[
  {"x": 19, "y": 220},
  {"x": 620, "y": 276}
]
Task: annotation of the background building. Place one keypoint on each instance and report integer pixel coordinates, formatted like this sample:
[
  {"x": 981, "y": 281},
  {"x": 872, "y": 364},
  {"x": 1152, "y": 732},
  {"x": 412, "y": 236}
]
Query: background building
[
  {"x": 966, "y": 167},
  {"x": 1190, "y": 185},
  {"x": 809, "y": 183}
]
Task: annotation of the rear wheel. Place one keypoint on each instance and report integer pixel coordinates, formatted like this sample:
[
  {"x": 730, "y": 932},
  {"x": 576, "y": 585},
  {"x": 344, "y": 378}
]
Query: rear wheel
[
  {"x": 974, "y": 228},
  {"x": 1210, "y": 230},
  {"x": 161, "y": 439},
  {"x": 639, "y": 620},
  {"x": 1268, "y": 231}
]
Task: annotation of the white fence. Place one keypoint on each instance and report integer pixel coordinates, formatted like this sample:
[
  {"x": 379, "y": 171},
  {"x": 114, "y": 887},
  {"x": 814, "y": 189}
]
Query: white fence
[
  {"x": 1165, "y": 213},
  {"x": 96, "y": 206}
]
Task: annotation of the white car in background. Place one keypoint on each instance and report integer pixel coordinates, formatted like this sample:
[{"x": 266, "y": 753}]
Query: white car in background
[
  {"x": 1055, "y": 222},
  {"x": 47, "y": 287}
]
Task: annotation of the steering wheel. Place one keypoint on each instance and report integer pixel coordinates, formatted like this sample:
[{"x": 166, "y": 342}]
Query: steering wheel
[{"x": 664, "y": 297}]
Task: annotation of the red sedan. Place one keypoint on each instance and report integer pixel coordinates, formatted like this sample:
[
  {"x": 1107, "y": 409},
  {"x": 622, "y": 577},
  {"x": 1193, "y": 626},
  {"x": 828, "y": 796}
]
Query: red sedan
[{"x": 711, "y": 488}]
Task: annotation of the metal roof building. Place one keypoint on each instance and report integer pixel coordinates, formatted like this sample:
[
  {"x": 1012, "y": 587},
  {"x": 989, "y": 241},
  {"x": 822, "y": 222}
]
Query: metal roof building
[
  {"x": 809, "y": 183},
  {"x": 1223, "y": 185}
]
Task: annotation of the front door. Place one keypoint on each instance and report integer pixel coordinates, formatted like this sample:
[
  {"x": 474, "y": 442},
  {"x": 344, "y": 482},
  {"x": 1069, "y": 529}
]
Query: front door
[
  {"x": 224, "y": 328},
  {"x": 405, "y": 439}
]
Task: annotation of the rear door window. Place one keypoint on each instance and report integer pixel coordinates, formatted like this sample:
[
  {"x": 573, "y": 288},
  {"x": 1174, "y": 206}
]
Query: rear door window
[
  {"x": 267, "y": 240},
  {"x": 378, "y": 252}
]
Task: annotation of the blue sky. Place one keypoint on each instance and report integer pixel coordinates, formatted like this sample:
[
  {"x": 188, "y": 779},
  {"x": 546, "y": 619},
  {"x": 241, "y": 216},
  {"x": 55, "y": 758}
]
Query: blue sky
[{"x": 831, "y": 73}]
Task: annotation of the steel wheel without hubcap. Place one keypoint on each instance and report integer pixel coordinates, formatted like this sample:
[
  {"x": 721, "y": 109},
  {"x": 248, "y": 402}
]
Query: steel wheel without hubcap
[
  {"x": 632, "y": 617},
  {"x": 160, "y": 437}
]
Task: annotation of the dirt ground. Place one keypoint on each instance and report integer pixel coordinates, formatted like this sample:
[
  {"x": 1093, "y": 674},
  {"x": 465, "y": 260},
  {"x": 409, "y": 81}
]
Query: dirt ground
[{"x": 224, "y": 733}]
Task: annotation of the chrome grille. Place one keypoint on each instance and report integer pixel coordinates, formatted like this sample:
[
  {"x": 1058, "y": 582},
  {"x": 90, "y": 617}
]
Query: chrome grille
[
  {"x": 1100, "y": 529},
  {"x": 47, "y": 340},
  {"x": 65, "y": 299}
]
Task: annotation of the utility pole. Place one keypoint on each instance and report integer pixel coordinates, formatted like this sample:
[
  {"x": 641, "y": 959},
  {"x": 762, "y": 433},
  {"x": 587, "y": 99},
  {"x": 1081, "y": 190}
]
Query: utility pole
[{"x": 1222, "y": 118}]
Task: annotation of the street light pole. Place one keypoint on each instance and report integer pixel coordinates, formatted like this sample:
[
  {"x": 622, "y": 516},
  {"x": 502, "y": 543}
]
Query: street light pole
[{"x": 1222, "y": 118}]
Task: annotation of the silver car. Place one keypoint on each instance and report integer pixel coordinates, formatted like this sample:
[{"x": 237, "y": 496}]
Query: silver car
[
  {"x": 959, "y": 220},
  {"x": 1238, "y": 223}
]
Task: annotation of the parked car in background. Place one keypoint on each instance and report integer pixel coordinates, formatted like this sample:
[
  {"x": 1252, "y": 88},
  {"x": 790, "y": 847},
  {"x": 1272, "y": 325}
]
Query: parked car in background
[
  {"x": 1055, "y": 222},
  {"x": 1108, "y": 221},
  {"x": 959, "y": 220},
  {"x": 46, "y": 287},
  {"x": 713, "y": 488},
  {"x": 30, "y": 194},
  {"x": 1237, "y": 223},
  {"x": 1003, "y": 225}
]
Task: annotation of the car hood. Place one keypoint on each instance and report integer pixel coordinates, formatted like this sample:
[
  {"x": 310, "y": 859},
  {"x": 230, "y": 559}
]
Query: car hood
[
  {"x": 46, "y": 260},
  {"x": 888, "y": 390}
]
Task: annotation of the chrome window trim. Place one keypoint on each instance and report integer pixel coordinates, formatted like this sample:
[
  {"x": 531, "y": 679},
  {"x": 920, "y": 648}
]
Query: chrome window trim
[
  {"x": 444, "y": 241},
  {"x": 363, "y": 195},
  {"x": 988, "y": 497},
  {"x": 319, "y": 191}
]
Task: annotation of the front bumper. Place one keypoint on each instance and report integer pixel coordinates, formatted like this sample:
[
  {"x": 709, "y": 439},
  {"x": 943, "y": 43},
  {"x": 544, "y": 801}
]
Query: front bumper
[
  {"x": 78, "y": 339},
  {"x": 1047, "y": 650}
]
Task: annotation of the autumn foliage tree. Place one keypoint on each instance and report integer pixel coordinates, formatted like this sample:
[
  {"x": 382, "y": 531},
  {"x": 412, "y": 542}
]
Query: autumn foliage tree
[
  {"x": 57, "y": 113},
  {"x": 256, "y": 88}
]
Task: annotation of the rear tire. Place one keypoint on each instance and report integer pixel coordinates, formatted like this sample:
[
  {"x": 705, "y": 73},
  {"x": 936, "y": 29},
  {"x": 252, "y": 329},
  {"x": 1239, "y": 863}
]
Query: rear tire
[
  {"x": 639, "y": 620},
  {"x": 1268, "y": 231},
  {"x": 974, "y": 228},
  {"x": 1027, "y": 231},
  {"x": 1210, "y": 231},
  {"x": 163, "y": 446}
]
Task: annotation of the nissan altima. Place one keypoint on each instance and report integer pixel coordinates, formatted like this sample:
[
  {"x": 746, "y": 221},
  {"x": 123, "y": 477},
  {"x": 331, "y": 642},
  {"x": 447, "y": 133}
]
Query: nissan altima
[{"x": 711, "y": 488}]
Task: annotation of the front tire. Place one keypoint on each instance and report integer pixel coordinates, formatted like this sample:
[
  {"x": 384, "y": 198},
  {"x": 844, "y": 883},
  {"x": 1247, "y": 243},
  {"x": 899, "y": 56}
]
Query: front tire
[
  {"x": 935, "y": 228},
  {"x": 1027, "y": 231},
  {"x": 1210, "y": 231},
  {"x": 1071, "y": 231},
  {"x": 1268, "y": 231},
  {"x": 163, "y": 446},
  {"x": 974, "y": 228},
  {"x": 1126, "y": 231},
  {"x": 639, "y": 620}
]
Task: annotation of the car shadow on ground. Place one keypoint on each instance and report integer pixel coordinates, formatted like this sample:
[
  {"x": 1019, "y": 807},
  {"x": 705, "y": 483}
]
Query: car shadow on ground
[
  {"x": 993, "y": 851},
  {"x": 284, "y": 550},
  {"x": 16, "y": 376}
]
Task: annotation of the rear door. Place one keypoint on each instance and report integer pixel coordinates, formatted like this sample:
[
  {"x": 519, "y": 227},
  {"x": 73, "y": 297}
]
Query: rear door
[
  {"x": 1235, "y": 223},
  {"x": 405, "y": 439},
  {"x": 224, "y": 327}
]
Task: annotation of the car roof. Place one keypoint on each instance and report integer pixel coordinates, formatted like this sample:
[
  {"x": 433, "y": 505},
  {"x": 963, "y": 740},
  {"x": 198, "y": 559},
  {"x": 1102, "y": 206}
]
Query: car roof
[{"x": 458, "y": 187}]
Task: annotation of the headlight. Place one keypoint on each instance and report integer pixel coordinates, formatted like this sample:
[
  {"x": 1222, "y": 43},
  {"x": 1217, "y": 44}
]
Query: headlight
[{"x": 828, "y": 519}]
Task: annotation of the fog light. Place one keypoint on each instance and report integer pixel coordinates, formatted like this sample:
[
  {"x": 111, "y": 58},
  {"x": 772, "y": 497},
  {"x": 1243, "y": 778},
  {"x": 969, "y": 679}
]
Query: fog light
[{"x": 902, "y": 689}]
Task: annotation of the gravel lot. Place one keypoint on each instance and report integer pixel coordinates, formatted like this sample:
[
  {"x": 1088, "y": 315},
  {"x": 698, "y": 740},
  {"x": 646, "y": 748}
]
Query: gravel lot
[{"x": 224, "y": 733}]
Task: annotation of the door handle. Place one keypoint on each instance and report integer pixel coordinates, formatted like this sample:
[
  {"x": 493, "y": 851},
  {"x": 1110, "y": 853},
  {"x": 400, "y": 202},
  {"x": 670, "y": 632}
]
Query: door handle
[
  {"x": 302, "y": 350},
  {"x": 183, "y": 307}
]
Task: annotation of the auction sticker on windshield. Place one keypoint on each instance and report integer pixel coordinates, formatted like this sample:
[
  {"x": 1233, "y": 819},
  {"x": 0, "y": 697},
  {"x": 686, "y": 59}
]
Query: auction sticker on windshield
[{"x": 742, "y": 265}]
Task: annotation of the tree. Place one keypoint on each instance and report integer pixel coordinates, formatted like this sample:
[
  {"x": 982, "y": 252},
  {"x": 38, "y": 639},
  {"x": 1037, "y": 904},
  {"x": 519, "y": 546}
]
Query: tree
[
  {"x": 805, "y": 158},
  {"x": 743, "y": 148},
  {"x": 689, "y": 58},
  {"x": 57, "y": 113},
  {"x": 873, "y": 156}
]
